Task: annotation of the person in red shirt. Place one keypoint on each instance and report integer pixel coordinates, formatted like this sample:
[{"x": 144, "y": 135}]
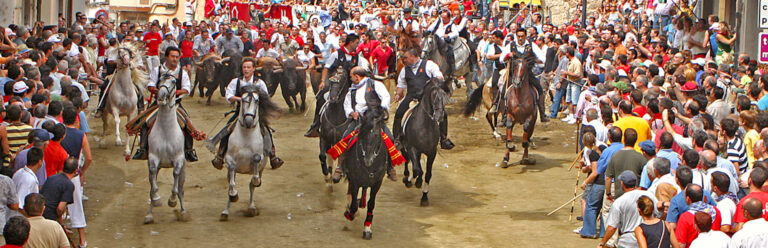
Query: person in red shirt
[
  {"x": 756, "y": 181},
  {"x": 295, "y": 36},
  {"x": 187, "y": 52},
  {"x": 685, "y": 229},
  {"x": 152, "y": 40},
  {"x": 54, "y": 154},
  {"x": 367, "y": 45},
  {"x": 636, "y": 96},
  {"x": 380, "y": 58}
]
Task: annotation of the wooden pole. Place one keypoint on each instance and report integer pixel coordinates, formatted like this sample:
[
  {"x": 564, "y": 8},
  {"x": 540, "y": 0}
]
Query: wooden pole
[
  {"x": 564, "y": 204},
  {"x": 578, "y": 156},
  {"x": 575, "y": 189}
]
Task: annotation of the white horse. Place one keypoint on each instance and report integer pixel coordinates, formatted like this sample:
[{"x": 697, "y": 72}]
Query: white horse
[
  {"x": 245, "y": 153},
  {"x": 166, "y": 148},
  {"x": 122, "y": 97}
]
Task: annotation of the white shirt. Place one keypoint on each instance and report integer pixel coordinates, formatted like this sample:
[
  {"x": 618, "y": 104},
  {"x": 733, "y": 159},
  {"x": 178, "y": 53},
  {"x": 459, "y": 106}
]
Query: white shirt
[
  {"x": 440, "y": 28},
  {"x": 668, "y": 178},
  {"x": 711, "y": 239},
  {"x": 733, "y": 187},
  {"x": 505, "y": 50},
  {"x": 74, "y": 51},
  {"x": 432, "y": 70},
  {"x": 305, "y": 58},
  {"x": 26, "y": 183},
  {"x": 84, "y": 94},
  {"x": 753, "y": 234},
  {"x": 332, "y": 59},
  {"x": 185, "y": 83},
  {"x": 269, "y": 52},
  {"x": 360, "y": 103},
  {"x": 232, "y": 86},
  {"x": 56, "y": 87},
  {"x": 727, "y": 209},
  {"x": 601, "y": 132}
]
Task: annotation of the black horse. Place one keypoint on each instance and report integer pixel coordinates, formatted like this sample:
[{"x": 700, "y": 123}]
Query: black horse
[
  {"x": 366, "y": 161},
  {"x": 333, "y": 122},
  {"x": 292, "y": 83},
  {"x": 421, "y": 135}
]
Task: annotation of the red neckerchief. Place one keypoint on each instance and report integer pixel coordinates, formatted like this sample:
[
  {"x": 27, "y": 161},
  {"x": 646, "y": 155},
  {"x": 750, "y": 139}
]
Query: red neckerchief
[{"x": 344, "y": 50}]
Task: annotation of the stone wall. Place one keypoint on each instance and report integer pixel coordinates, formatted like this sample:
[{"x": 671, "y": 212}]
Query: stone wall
[{"x": 562, "y": 10}]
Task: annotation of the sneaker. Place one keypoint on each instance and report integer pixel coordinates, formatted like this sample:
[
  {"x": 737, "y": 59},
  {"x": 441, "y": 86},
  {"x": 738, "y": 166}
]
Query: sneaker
[
  {"x": 572, "y": 121},
  {"x": 567, "y": 118},
  {"x": 577, "y": 230}
]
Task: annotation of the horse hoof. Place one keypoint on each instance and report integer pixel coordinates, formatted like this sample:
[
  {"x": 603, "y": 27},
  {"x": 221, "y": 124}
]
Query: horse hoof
[
  {"x": 367, "y": 235},
  {"x": 528, "y": 161},
  {"x": 513, "y": 148},
  {"x": 224, "y": 217},
  {"x": 149, "y": 220},
  {"x": 251, "y": 212},
  {"x": 349, "y": 216},
  {"x": 119, "y": 143},
  {"x": 407, "y": 182},
  {"x": 171, "y": 203},
  {"x": 505, "y": 164},
  {"x": 182, "y": 216},
  {"x": 418, "y": 183},
  {"x": 156, "y": 203},
  {"x": 424, "y": 202},
  {"x": 234, "y": 198}
]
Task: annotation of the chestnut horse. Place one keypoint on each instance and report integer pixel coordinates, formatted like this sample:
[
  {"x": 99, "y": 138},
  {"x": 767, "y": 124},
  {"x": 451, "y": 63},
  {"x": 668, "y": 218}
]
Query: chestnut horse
[{"x": 521, "y": 107}]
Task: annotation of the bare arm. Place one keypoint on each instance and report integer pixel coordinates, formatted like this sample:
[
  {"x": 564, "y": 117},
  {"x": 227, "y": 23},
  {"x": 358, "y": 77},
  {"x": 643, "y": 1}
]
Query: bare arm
[
  {"x": 641, "y": 242},
  {"x": 672, "y": 236},
  {"x": 88, "y": 158},
  {"x": 4, "y": 140},
  {"x": 60, "y": 210}
]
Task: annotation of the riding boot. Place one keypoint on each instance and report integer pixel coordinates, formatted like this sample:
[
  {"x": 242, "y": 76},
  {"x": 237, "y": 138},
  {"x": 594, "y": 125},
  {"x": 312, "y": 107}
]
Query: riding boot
[
  {"x": 445, "y": 142},
  {"x": 276, "y": 161},
  {"x": 218, "y": 161},
  {"x": 141, "y": 152},
  {"x": 391, "y": 172},
  {"x": 140, "y": 100},
  {"x": 542, "y": 112},
  {"x": 102, "y": 101},
  {"x": 189, "y": 150}
]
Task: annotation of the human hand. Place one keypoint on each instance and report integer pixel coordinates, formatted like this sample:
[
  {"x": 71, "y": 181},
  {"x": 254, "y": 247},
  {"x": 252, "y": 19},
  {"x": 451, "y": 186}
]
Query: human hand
[
  {"x": 355, "y": 115},
  {"x": 583, "y": 186}
]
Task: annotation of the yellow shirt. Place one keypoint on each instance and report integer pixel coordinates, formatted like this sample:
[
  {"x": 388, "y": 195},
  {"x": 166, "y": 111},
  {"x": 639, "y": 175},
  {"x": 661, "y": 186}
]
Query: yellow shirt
[
  {"x": 639, "y": 124},
  {"x": 750, "y": 138}
]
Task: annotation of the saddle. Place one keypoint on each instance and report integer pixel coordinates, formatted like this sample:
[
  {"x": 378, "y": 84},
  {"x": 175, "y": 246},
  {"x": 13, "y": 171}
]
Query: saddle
[
  {"x": 148, "y": 117},
  {"x": 408, "y": 113}
]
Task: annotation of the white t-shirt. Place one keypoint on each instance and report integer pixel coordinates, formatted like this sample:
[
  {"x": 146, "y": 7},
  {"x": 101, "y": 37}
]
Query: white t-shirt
[
  {"x": 26, "y": 183},
  {"x": 727, "y": 209},
  {"x": 305, "y": 58},
  {"x": 711, "y": 239}
]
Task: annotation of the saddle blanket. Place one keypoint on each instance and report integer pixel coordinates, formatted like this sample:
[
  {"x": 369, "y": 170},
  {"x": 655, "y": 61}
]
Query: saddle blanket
[{"x": 348, "y": 141}]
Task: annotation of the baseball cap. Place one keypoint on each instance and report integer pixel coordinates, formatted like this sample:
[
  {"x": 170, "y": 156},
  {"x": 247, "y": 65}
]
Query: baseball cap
[
  {"x": 647, "y": 146},
  {"x": 628, "y": 178},
  {"x": 699, "y": 61},
  {"x": 20, "y": 87},
  {"x": 22, "y": 49},
  {"x": 41, "y": 135},
  {"x": 605, "y": 64},
  {"x": 54, "y": 39},
  {"x": 689, "y": 86}
]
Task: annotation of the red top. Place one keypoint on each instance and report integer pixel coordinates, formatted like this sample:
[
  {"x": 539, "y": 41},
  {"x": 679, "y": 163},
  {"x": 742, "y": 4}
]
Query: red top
[
  {"x": 640, "y": 111},
  {"x": 367, "y": 48},
  {"x": 54, "y": 156},
  {"x": 186, "y": 48},
  {"x": 467, "y": 7},
  {"x": 102, "y": 49},
  {"x": 685, "y": 230},
  {"x": 152, "y": 40},
  {"x": 298, "y": 39},
  {"x": 11, "y": 246},
  {"x": 739, "y": 216},
  {"x": 675, "y": 147},
  {"x": 381, "y": 57}
]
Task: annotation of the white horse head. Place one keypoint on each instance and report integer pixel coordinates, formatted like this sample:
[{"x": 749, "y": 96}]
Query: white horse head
[
  {"x": 249, "y": 107},
  {"x": 166, "y": 90}
]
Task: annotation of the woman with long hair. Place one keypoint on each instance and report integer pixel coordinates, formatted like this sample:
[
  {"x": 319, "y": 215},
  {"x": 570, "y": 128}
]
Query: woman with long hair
[{"x": 725, "y": 39}]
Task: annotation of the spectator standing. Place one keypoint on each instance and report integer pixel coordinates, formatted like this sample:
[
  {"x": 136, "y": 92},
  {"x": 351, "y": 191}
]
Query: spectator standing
[
  {"x": 38, "y": 139},
  {"x": 627, "y": 120},
  {"x": 685, "y": 228},
  {"x": 757, "y": 180},
  {"x": 708, "y": 237},
  {"x": 627, "y": 159},
  {"x": 16, "y": 232},
  {"x": 43, "y": 233},
  {"x": 17, "y": 130},
  {"x": 9, "y": 202},
  {"x": 652, "y": 231},
  {"x": 54, "y": 153},
  {"x": 152, "y": 40},
  {"x": 25, "y": 179},
  {"x": 58, "y": 193},
  {"x": 624, "y": 216},
  {"x": 726, "y": 201}
]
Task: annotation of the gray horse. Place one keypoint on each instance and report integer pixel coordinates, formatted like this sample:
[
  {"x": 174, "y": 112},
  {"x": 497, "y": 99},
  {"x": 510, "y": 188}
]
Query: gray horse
[
  {"x": 421, "y": 134},
  {"x": 245, "y": 154},
  {"x": 430, "y": 50},
  {"x": 123, "y": 95},
  {"x": 166, "y": 148}
]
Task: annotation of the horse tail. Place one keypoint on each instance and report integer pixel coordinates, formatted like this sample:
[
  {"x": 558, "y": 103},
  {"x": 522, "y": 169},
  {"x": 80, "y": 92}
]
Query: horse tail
[{"x": 475, "y": 98}]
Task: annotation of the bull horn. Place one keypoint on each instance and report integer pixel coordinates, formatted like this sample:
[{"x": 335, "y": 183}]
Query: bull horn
[
  {"x": 199, "y": 63},
  {"x": 258, "y": 68},
  {"x": 277, "y": 69},
  {"x": 224, "y": 59},
  {"x": 301, "y": 68}
]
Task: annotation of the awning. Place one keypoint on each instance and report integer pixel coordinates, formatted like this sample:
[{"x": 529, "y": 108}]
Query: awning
[{"x": 534, "y": 2}]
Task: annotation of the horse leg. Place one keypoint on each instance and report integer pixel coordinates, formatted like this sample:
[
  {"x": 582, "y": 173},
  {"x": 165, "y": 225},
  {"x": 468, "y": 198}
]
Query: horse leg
[
  {"x": 352, "y": 199},
  {"x": 417, "y": 171},
  {"x": 528, "y": 132},
  {"x": 362, "y": 197},
  {"x": 491, "y": 119},
  {"x": 255, "y": 182},
  {"x": 407, "y": 174},
  {"x": 179, "y": 174},
  {"x": 127, "y": 151},
  {"x": 427, "y": 179},
  {"x": 116, "y": 117},
  {"x": 368, "y": 234},
  {"x": 175, "y": 189},
  {"x": 154, "y": 166},
  {"x": 510, "y": 147},
  {"x": 232, "y": 193},
  {"x": 104, "y": 126}
]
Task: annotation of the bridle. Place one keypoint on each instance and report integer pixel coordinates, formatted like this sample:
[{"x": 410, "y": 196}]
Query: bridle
[{"x": 249, "y": 98}]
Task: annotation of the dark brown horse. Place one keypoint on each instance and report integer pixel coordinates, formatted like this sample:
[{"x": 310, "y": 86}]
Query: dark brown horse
[{"x": 521, "y": 107}]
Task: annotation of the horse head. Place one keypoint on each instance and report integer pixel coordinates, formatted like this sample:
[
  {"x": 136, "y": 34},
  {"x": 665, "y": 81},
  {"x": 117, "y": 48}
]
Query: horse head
[
  {"x": 436, "y": 98},
  {"x": 166, "y": 90},
  {"x": 124, "y": 57},
  {"x": 428, "y": 46},
  {"x": 371, "y": 124},
  {"x": 335, "y": 89},
  {"x": 520, "y": 69},
  {"x": 249, "y": 106}
]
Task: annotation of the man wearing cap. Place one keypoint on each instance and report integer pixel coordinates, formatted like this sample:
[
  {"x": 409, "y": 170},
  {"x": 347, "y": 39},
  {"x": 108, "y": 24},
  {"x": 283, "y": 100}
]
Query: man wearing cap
[
  {"x": 228, "y": 41},
  {"x": 183, "y": 87},
  {"x": 623, "y": 217}
]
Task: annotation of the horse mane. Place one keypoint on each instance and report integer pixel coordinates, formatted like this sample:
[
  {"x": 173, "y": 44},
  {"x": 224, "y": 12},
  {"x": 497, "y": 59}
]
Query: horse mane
[
  {"x": 268, "y": 110},
  {"x": 139, "y": 77}
]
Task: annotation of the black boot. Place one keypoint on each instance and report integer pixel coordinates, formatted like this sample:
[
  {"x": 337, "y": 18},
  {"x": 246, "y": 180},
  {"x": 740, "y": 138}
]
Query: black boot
[
  {"x": 189, "y": 150},
  {"x": 191, "y": 155},
  {"x": 141, "y": 152},
  {"x": 445, "y": 142},
  {"x": 313, "y": 131}
]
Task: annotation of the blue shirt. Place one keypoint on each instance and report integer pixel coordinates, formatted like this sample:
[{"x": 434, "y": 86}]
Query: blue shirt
[
  {"x": 83, "y": 122},
  {"x": 762, "y": 104},
  {"x": 605, "y": 157},
  {"x": 670, "y": 155},
  {"x": 678, "y": 206},
  {"x": 645, "y": 181}
]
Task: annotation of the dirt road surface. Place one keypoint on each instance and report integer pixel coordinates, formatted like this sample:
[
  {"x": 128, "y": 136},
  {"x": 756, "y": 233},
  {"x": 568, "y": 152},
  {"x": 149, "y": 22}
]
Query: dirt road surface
[{"x": 474, "y": 203}]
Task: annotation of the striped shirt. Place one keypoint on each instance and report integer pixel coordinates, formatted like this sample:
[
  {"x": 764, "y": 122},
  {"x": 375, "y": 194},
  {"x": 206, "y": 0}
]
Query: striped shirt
[
  {"x": 737, "y": 153},
  {"x": 17, "y": 136}
]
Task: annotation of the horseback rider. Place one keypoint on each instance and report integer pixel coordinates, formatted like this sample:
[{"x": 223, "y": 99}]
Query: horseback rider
[
  {"x": 521, "y": 46},
  {"x": 183, "y": 87},
  {"x": 110, "y": 65},
  {"x": 354, "y": 107},
  {"x": 446, "y": 32},
  {"x": 413, "y": 78},
  {"x": 340, "y": 61},
  {"x": 233, "y": 94},
  {"x": 493, "y": 54}
]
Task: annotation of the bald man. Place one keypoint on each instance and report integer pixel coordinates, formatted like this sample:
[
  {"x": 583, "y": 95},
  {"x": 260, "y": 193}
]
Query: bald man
[{"x": 754, "y": 233}]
